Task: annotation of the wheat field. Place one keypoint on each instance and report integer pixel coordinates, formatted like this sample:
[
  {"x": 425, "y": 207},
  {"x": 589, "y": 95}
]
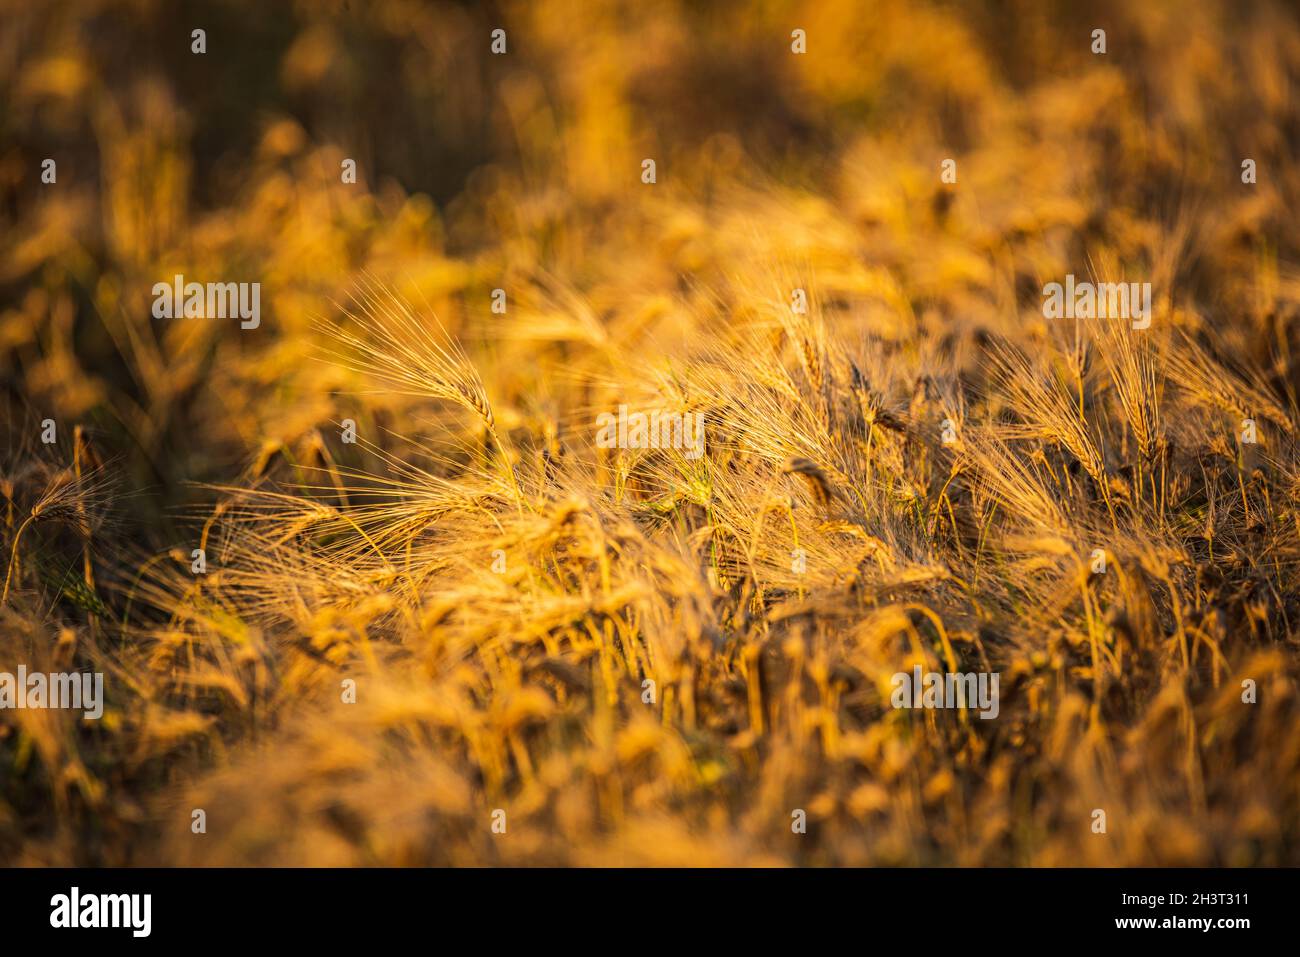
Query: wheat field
[{"x": 364, "y": 583}]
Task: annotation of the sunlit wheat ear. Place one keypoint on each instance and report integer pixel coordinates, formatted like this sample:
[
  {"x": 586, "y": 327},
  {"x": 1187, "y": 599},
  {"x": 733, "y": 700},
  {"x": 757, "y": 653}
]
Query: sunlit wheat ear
[
  {"x": 1131, "y": 363},
  {"x": 1048, "y": 408},
  {"x": 68, "y": 499},
  {"x": 871, "y": 403},
  {"x": 1012, "y": 481},
  {"x": 404, "y": 351},
  {"x": 416, "y": 357},
  {"x": 1202, "y": 377}
]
